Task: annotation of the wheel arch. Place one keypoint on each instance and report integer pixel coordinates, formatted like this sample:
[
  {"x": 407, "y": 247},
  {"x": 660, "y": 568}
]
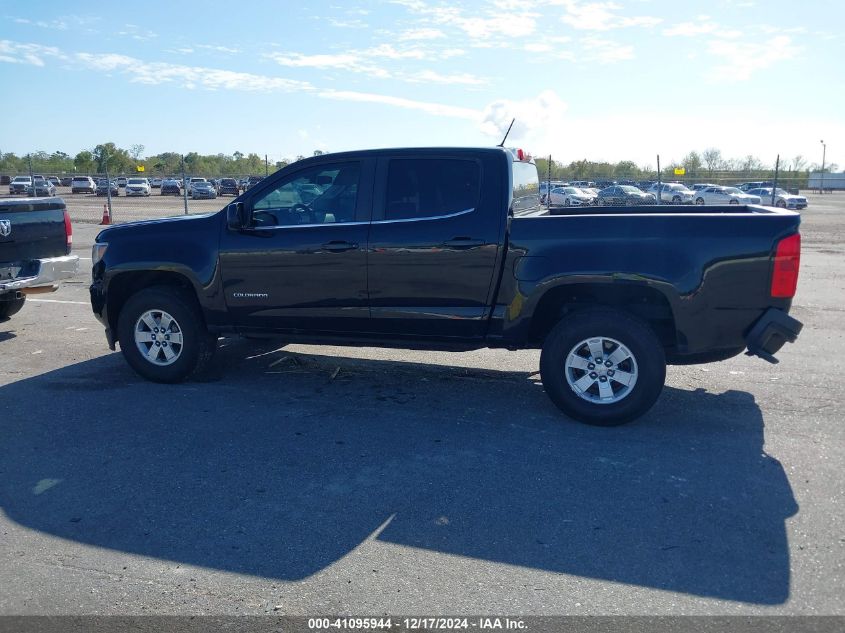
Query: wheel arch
[
  {"x": 125, "y": 284},
  {"x": 642, "y": 301}
]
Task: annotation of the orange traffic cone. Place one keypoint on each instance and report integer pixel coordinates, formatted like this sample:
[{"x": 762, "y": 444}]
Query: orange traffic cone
[{"x": 106, "y": 217}]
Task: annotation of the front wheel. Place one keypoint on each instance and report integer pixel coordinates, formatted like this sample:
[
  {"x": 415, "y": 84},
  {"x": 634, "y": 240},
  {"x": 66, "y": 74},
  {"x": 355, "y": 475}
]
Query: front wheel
[
  {"x": 781, "y": 204},
  {"x": 603, "y": 367},
  {"x": 699, "y": 201},
  {"x": 163, "y": 336},
  {"x": 9, "y": 307},
  {"x": 676, "y": 200}
]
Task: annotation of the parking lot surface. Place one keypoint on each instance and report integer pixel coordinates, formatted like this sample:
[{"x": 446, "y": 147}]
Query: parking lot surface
[{"x": 313, "y": 480}]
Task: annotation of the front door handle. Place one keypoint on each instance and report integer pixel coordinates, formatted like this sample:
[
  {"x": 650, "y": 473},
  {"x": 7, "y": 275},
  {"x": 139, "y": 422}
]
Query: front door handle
[
  {"x": 462, "y": 242},
  {"x": 339, "y": 246}
]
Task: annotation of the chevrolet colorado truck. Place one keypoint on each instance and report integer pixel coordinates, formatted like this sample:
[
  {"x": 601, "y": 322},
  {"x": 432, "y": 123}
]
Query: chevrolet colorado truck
[
  {"x": 36, "y": 237},
  {"x": 450, "y": 249}
]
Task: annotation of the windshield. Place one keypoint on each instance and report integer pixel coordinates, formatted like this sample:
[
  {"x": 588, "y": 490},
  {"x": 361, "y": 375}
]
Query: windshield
[
  {"x": 137, "y": 181},
  {"x": 629, "y": 189}
]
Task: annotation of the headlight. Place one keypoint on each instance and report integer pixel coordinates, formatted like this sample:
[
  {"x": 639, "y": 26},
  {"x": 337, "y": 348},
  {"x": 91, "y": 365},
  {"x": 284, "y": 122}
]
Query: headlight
[{"x": 97, "y": 252}]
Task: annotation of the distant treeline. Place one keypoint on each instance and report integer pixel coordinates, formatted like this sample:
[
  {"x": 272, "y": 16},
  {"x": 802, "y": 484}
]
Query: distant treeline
[{"x": 708, "y": 165}]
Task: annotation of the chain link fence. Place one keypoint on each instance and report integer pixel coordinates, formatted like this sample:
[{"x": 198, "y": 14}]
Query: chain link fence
[
  {"x": 126, "y": 206},
  {"x": 159, "y": 203}
]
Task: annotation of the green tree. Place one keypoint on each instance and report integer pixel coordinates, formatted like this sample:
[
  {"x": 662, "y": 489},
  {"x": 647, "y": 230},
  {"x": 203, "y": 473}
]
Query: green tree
[
  {"x": 692, "y": 163},
  {"x": 109, "y": 156},
  {"x": 713, "y": 159},
  {"x": 84, "y": 162}
]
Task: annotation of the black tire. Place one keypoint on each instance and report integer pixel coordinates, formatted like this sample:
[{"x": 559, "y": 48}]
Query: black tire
[
  {"x": 699, "y": 201},
  {"x": 676, "y": 200},
  {"x": 645, "y": 349},
  {"x": 9, "y": 307},
  {"x": 197, "y": 347},
  {"x": 780, "y": 204}
]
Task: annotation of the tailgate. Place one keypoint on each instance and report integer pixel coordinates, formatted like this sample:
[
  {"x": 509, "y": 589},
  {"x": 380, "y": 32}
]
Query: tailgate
[{"x": 32, "y": 229}]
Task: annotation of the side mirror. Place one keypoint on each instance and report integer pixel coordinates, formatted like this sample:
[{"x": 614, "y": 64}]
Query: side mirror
[{"x": 237, "y": 217}]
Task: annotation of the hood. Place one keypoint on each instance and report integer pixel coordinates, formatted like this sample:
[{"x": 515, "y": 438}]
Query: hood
[{"x": 154, "y": 226}]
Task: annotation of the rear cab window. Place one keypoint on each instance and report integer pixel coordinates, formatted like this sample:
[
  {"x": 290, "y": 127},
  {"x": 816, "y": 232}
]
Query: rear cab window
[{"x": 420, "y": 188}]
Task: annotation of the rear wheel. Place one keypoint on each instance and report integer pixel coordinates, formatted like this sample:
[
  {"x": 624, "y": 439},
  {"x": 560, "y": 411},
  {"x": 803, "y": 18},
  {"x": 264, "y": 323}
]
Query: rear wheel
[
  {"x": 781, "y": 204},
  {"x": 676, "y": 200},
  {"x": 699, "y": 201},
  {"x": 603, "y": 367},
  {"x": 9, "y": 307},
  {"x": 163, "y": 336}
]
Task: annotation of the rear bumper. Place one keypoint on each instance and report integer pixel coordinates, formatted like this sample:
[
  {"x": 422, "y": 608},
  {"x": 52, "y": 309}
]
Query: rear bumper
[
  {"x": 49, "y": 273},
  {"x": 770, "y": 333}
]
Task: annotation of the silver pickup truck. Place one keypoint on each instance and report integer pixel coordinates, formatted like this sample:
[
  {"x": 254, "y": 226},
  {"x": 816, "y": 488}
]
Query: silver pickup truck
[{"x": 36, "y": 238}]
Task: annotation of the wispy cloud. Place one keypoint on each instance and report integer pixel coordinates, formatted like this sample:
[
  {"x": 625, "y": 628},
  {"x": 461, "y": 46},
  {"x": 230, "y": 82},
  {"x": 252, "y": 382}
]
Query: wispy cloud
[
  {"x": 156, "y": 73},
  {"x": 135, "y": 32},
  {"x": 347, "y": 24},
  {"x": 534, "y": 118},
  {"x": 606, "y": 51},
  {"x": 219, "y": 49},
  {"x": 200, "y": 77},
  {"x": 371, "y": 62},
  {"x": 601, "y": 16},
  {"x": 430, "y": 76},
  {"x": 737, "y": 53},
  {"x": 437, "y": 109},
  {"x": 739, "y": 61},
  {"x": 422, "y": 34},
  {"x": 32, "y": 54}
]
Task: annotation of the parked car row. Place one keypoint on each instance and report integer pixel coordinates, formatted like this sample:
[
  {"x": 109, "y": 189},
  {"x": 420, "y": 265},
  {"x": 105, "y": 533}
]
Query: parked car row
[
  {"x": 134, "y": 186},
  {"x": 584, "y": 193}
]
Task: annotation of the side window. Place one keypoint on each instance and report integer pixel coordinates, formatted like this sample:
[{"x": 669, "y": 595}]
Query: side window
[
  {"x": 425, "y": 188},
  {"x": 325, "y": 194}
]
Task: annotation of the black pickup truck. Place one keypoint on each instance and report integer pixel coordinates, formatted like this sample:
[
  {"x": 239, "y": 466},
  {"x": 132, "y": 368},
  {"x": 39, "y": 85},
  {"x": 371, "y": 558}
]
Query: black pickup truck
[
  {"x": 450, "y": 249},
  {"x": 35, "y": 243}
]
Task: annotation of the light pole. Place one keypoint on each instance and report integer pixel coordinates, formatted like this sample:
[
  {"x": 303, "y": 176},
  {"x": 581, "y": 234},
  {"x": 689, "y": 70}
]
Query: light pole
[{"x": 824, "y": 152}]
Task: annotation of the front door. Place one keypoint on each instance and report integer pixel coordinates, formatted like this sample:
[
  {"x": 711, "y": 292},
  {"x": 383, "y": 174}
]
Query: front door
[{"x": 302, "y": 265}]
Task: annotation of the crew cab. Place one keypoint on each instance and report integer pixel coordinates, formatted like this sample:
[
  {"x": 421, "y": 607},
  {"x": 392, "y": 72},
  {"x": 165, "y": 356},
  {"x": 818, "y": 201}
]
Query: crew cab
[
  {"x": 36, "y": 237},
  {"x": 450, "y": 249}
]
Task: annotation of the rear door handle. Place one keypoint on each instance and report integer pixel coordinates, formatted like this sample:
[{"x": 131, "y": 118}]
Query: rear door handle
[
  {"x": 339, "y": 246},
  {"x": 462, "y": 242}
]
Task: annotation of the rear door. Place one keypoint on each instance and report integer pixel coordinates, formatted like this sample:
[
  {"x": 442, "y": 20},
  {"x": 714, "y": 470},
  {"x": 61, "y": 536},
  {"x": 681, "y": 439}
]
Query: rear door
[
  {"x": 434, "y": 242},
  {"x": 303, "y": 266}
]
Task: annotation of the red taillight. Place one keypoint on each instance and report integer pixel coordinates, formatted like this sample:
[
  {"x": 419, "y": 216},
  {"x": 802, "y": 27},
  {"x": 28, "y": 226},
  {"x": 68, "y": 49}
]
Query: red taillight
[
  {"x": 520, "y": 155},
  {"x": 785, "y": 267},
  {"x": 68, "y": 232}
]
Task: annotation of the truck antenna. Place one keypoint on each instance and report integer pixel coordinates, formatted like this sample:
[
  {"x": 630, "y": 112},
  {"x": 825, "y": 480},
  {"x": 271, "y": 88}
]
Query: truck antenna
[{"x": 502, "y": 144}]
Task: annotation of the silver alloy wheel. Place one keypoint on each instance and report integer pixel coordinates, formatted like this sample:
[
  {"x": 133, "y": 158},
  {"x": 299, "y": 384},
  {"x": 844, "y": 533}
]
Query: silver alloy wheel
[
  {"x": 601, "y": 370},
  {"x": 158, "y": 337}
]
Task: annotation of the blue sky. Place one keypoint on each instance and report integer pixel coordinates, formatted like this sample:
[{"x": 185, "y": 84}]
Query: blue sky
[{"x": 602, "y": 80}]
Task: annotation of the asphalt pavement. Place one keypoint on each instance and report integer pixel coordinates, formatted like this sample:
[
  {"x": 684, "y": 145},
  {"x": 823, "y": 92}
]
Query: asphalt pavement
[{"x": 312, "y": 480}]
